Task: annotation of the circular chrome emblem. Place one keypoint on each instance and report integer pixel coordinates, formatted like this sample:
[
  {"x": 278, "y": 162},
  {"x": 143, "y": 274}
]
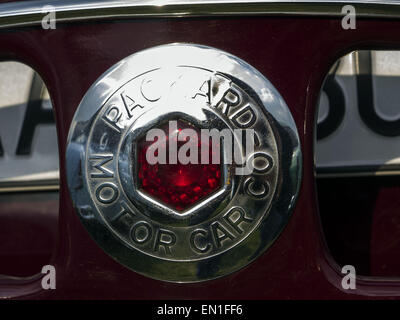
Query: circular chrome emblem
[{"x": 183, "y": 162}]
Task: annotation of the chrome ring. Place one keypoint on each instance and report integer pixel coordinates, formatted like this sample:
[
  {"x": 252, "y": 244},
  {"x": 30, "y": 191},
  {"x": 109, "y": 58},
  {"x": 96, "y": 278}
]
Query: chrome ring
[{"x": 226, "y": 229}]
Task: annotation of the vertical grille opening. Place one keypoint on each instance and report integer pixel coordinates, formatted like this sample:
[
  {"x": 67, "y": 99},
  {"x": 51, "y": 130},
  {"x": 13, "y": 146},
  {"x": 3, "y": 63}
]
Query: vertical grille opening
[
  {"x": 358, "y": 162},
  {"x": 28, "y": 172}
]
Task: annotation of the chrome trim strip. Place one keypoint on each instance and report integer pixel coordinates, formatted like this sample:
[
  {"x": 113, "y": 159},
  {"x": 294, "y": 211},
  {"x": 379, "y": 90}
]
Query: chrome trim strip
[
  {"x": 29, "y": 186},
  {"x": 29, "y": 13},
  {"x": 358, "y": 171},
  {"x": 30, "y": 189},
  {"x": 357, "y": 174}
]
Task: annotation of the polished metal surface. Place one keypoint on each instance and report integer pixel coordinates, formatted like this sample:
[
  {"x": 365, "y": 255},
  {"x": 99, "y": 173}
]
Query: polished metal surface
[
  {"x": 218, "y": 234},
  {"x": 28, "y": 13}
]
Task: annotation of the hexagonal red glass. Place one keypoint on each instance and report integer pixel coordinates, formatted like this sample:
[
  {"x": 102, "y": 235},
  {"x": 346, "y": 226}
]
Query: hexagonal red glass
[{"x": 179, "y": 186}]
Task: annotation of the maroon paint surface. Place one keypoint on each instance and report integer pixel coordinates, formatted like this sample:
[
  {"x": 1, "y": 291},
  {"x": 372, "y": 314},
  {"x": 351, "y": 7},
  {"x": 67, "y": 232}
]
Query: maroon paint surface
[
  {"x": 293, "y": 53},
  {"x": 28, "y": 232},
  {"x": 361, "y": 224}
]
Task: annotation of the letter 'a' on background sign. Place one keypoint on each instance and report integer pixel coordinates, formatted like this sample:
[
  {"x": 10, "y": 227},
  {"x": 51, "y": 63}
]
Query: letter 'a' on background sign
[{"x": 349, "y": 19}]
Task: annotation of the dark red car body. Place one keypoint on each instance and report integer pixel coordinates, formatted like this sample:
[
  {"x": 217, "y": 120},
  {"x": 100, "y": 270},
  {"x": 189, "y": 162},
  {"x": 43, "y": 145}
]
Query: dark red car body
[{"x": 294, "y": 52}]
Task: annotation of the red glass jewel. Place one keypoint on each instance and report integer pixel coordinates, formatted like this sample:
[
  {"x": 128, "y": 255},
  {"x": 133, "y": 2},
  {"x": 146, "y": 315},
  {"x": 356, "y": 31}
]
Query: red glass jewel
[{"x": 179, "y": 186}]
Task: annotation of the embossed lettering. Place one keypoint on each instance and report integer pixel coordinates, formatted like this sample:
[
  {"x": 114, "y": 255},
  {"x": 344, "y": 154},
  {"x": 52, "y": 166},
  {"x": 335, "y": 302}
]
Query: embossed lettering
[
  {"x": 198, "y": 241},
  {"x": 165, "y": 239},
  {"x": 150, "y": 91},
  {"x": 230, "y": 99},
  {"x": 141, "y": 232},
  {"x": 260, "y": 162},
  {"x": 107, "y": 193},
  {"x": 129, "y": 104},
  {"x": 235, "y": 217},
  {"x": 220, "y": 233},
  {"x": 113, "y": 117},
  {"x": 204, "y": 91},
  {"x": 99, "y": 162},
  {"x": 256, "y": 189},
  {"x": 245, "y": 117}
]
